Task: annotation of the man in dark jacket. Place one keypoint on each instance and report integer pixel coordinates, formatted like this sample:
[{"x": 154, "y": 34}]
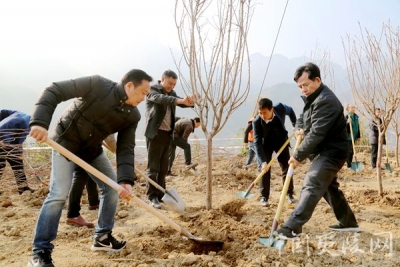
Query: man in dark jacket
[
  {"x": 160, "y": 121},
  {"x": 325, "y": 143},
  {"x": 352, "y": 118},
  {"x": 374, "y": 136},
  {"x": 269, "y": 136},
  {"x": 183, "y": 128},
  {"x": 100, "y": 107},
  {"x": 14, "y": 127}
]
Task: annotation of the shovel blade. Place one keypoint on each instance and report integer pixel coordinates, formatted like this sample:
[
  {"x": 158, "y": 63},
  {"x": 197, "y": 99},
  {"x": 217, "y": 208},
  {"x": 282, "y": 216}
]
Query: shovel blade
[
  {"x": 272, "y": 242},
  {"x": 243, "y": 194},
  {"x": 173, "y": 200},
  {"x": 356, "y": 166},
  {"x": 387, "y": 165}
]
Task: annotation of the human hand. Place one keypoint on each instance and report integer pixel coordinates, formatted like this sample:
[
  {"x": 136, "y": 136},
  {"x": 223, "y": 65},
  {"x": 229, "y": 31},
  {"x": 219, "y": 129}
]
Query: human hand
[
  {"x": 348, "y": 119},
  {"x": 39, "y": 133},
  {"x": 299, "y": 133},
  {"x": 294, "y": 161},
  {"x": 126, "y": 192},
  {"x": 264, "y": 167},
  {"x": 187, "y": 101}
]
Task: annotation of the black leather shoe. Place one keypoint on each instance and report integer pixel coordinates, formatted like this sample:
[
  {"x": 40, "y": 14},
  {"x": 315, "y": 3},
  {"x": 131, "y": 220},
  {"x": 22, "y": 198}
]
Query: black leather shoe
[
  {"x": 155, "y": 203},
  {"x": 291, "y": 199}
]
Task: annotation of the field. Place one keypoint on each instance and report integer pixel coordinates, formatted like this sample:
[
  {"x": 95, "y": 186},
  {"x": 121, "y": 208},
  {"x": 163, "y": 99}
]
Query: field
[{"x": 235, "y": 221}]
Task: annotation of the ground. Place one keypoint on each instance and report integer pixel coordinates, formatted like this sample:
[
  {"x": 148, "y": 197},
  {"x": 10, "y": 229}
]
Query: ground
[{"x": 237, "y": 222}]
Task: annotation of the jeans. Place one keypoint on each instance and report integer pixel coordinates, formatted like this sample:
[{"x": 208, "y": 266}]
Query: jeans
[
  {"x": 321, "y": 181},
  {"x": 60, "y": 183},
  {"x": 157, "y": 163},
  {"x": 179, "y": 142},
  {"x": 252, "y": 154},
  {"x": 79, "y": 180}
]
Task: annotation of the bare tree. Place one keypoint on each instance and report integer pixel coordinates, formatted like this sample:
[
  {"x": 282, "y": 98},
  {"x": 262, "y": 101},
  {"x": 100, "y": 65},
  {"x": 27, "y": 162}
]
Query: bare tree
[
  {"x": 322, "y": 57},
  {"x": 396, "y": 128},
  {"x": 373, "y": 64},
  {"x": 213, "y": 40}
]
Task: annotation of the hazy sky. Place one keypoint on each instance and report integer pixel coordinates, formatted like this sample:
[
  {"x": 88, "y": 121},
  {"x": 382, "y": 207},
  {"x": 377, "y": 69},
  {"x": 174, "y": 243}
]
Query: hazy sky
[{"x": 92, "y": 33}]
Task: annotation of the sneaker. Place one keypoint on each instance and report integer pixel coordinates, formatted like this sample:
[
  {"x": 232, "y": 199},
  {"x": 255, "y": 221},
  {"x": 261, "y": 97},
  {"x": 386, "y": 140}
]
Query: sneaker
[
  {"x": 155, "y": 203},
  {"x": 41, "y": 259},
  {"x": 264, "y": 202},
  {"x": 341, "y": 228},
  {"x": 107, "y": 243},
  {"x": 286, "y": 233},
  {"x": 291, "y": 199}
]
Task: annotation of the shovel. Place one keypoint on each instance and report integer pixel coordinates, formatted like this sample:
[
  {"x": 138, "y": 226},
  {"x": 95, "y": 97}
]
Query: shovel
[
  {"x": 355, "y": 166},
  {"x": 36, "y": 175},
  {"x": 171, "y": 197},
  {"x": 272, "y": 241},
  {"x": 246, "y": 194},
  {"x": 212, "y": 244},
  {"x": 387, "y": 165}
]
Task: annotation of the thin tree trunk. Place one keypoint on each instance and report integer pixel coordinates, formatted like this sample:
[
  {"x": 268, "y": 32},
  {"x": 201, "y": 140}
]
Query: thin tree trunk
[
  {"x": 396, "y": 151},
  {"x": 209, "y": 173},
  {"x": 378, "y": 164}
]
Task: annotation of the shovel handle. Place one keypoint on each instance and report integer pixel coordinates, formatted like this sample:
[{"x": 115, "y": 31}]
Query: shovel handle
[
  {"x": 66, "y": 153},
  {"x": 159, "y": 187}
]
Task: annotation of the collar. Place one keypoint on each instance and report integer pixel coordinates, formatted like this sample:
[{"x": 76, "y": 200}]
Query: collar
[
  {"x": 268, "y": 121},
  {"x": 313, "y": 96},
  {"x": 121, "y": 94}
]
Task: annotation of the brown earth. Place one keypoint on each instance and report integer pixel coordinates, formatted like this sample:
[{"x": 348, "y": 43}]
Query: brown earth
[{"x": 237, "y": 222}]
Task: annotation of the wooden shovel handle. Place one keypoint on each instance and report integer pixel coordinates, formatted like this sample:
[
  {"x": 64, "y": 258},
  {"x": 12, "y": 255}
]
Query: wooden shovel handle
[{"x": 66, "y": 153}]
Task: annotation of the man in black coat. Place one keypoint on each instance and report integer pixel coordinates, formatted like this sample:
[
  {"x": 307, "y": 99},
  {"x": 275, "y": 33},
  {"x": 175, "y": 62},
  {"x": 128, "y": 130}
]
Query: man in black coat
[
  {"x": 160, "y": 121},
  {"x": 100, "y": 107},
  {"x": 325, "y": 143}
]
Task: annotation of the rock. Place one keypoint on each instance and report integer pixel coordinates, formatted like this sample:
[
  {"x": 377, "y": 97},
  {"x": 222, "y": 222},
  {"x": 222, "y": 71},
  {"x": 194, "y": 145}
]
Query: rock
[
  {"x": 123, "y": 214},
  {"x": 10, "y": 214},
  {"x": 6, "y": 203},
  {"x": 189, "y": 260}
]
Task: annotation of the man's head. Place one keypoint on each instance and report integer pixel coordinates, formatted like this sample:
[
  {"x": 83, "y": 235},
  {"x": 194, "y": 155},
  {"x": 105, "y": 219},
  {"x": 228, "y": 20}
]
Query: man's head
[
  {"x": 265, "y": 109},
  {"x": 351, "y": 108},
  {"x": 308, "y": 78},
  {"x": 168, "y": 80},
  {"x": 377, "y": 112},
  {"x": 137, "y": 85},
  {"x": 196, "y": 122}
]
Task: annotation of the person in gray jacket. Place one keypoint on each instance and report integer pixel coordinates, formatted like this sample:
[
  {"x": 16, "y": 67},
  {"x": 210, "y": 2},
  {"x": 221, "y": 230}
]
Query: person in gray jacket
[
  {"x": 160, "y": 122},
  {"x": 325, "y": 143},
  {"x": 183, "y": 128},
  {"x": 100, "y": 107}
]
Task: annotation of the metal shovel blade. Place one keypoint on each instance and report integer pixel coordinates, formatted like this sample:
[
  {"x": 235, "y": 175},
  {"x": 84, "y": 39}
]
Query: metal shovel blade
[
  {"x": 356, "y": 166},
  {"x": 387, "y": 166},
  {"x": 243, "y": 194},
  {"x": 173, "y": 200},
  {"x": 272, "y": 242}
]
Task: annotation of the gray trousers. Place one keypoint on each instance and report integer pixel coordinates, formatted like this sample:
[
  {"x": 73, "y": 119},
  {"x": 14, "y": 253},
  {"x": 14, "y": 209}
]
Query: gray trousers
[{"x": 321, "y": 181}]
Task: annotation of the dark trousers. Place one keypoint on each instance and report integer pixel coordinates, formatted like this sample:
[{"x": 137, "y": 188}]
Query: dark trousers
[
  {"x": 157, "y": 162},
  {"x": 179, "y": 142},
  {"x": 81, "y": 179},
  {"x": 265, "y": 182},
  {"x": 374, "y": 154},
  {"x": 351, "y": 153},
  {"x": 13, "y": 155},
  {"x": 321, "y": 181}
]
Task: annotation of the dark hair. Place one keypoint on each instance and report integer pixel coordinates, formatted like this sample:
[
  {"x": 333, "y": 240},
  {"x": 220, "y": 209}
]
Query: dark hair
[
  {"x": 136, "y": 76},
  {"x": 312, "y": 70},
  {"x": 197, "y": 119},
  {"x": 170, "y": 74},
  {"x": 265, "y": 103}
]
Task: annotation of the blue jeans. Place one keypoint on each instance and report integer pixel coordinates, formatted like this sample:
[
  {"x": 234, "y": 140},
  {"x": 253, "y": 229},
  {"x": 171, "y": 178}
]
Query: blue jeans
[
  {"x": 252, "y": 154},
  {"x": 60, "y": 184}
]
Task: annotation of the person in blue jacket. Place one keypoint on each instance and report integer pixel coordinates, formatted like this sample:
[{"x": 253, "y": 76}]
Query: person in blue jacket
[
  {"x": 14, "y": 127},
  {"x": 269, "y": 136}
]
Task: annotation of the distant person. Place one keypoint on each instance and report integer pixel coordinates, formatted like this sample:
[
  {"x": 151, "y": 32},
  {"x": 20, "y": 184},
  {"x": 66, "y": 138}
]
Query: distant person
[
  {"x": 269, "y": 136},
  {"x": 352, "y": 118},
  {"x": 323, "y": 128},
  {"x": 81, "y": 179},
  {"x": 161, "y": 103},
  {"x": 100, "y": 107},
  {"x": 248, "y": 143},
  {"x": 374, "y": 125},
  {"x": 14, "y": 127},
  {"x": 182, "y": 130}
]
